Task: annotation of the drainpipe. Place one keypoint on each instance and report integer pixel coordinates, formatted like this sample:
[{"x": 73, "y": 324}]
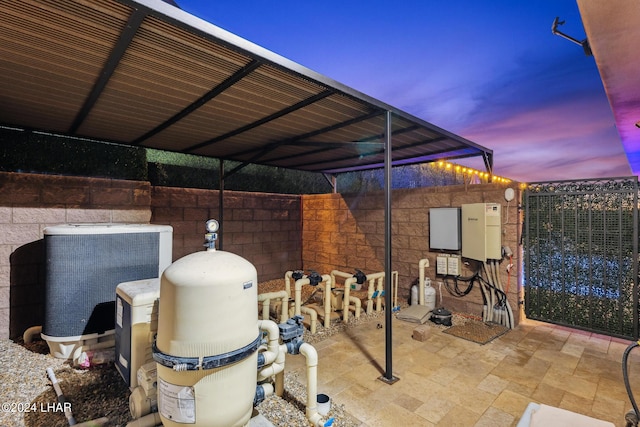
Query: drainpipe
[
  {"x": 421, "y": 266},
  {"x": 311, "y": 355}
]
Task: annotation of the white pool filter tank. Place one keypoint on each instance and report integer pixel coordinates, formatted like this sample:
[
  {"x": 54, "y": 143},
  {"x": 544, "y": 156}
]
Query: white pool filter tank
[{"x": 207, "y": 341}]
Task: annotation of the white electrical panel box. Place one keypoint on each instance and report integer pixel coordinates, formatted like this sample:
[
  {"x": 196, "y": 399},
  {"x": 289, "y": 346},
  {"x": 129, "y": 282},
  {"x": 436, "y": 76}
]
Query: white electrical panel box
[
  {"x": 481, "y": 231},
  {"x": 444, "y": 229}
]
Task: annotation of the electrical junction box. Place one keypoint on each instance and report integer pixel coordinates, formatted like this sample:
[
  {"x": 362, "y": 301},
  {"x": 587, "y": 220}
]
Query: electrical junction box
[
  {"x": 481, "y": 231},
  {"x": 441, "y": 265},
  {"x": 444, "y": 229},
  {"x": 448, "y": 265},
  {"x": 453, "y": 265},
  {"x": 136, "y": 321}
]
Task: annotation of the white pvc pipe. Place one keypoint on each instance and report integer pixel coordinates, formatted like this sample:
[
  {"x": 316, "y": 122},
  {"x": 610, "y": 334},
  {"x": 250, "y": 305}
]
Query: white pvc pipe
[
  {"x": 273, "y": 336},
  {"x": 348, "y": 299},
  {"x": 326, "y": 279},
  {"x": 341, "y": 274},
  {"x": 150, "y": 420},
  {"x": 298, "y": 293},
  {"x": 422, "y": 264},
  {"x": 313, "y": 315},
  {"x": 268, "y": 389},
  {"x": 313, "y": 318},
  {"x": 61, "y": 398},
  {"x": 279, "y": 382},
  {"x": 274, "y": 356},
  {"x": 490, "y": 294},
  {"x": 93, "y": 423},
  {"x": 266, "y": 301},
  {"x": 380, "y": 289},
  {"x": 28, "y": 335},
  {"x": 311, "y": 356},
  {"x": 271, "y": 370},
  {"x": 288, "y": 276},
  {"x": 394, "y": 280},
  {"x": 373, "y": 279}
]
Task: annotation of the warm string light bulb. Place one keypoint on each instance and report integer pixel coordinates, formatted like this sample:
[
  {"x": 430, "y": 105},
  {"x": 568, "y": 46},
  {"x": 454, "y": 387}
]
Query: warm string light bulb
[{"x": 470, "y": 171}]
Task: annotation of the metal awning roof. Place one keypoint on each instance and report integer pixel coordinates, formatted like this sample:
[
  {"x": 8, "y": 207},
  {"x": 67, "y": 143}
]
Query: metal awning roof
[{"x": 148, "y": 74}]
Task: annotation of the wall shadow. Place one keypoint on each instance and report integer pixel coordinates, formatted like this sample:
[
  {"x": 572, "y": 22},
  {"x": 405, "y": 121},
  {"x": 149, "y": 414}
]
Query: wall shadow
[{"x": 26, "y": 287}]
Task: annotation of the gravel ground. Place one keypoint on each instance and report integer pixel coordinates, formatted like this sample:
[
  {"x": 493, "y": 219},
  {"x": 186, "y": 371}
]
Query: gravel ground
[
  {"x": 100, "y": 391},
  {"x": 28, "y": 398}
]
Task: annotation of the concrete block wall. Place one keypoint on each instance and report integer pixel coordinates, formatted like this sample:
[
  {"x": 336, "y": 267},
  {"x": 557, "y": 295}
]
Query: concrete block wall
[
  {"x": 346, "y": 232},
  {"x": 273, "y": 231},
  {"x": 263, "y": 228},
  {"x": 31, "y": 202}
]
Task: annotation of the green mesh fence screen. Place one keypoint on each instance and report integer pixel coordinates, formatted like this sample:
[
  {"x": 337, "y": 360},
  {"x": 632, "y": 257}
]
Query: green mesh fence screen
[{"x": 580, "y": 254}]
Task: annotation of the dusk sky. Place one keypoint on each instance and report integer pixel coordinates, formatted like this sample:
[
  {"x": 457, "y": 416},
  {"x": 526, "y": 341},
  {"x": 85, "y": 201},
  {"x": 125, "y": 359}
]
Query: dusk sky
[{"x": 489, "y": 71}]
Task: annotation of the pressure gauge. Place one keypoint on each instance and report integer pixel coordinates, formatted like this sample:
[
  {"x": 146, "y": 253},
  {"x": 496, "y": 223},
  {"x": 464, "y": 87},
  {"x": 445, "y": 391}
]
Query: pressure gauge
[{"x": 212, "y": 226}]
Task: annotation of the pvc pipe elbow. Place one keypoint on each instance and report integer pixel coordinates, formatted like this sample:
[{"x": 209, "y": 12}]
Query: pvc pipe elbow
[
  {"x": 315, "y": 419},
  {"x": 268, "y": 389},
  {"x": 28, "y": 335},
  {"x": 150, "y": 420},
  {"x": 270, "y": 371},
  {"x": 273, "y": 346},
  {"x": 313, "y": 316},
  {"x": 310, "y": 353}
]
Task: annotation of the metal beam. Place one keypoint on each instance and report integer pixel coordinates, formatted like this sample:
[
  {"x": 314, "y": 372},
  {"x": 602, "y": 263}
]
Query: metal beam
[
  {"x": 126, "y": 36},
  {"x": 226, "y": 84},
  {"x": 305, "y": 102},
  {"x": 296, "y": 139},
  {"x": 379, "y": 151},
  {"x": 488, "y": 163}
]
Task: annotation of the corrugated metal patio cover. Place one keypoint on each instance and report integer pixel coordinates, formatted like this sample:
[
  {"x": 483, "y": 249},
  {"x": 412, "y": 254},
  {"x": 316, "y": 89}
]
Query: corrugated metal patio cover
[{"x": 146, "y": 73}]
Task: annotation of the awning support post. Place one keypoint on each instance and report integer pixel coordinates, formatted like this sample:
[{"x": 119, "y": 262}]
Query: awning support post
[{"x": 388, "y": 376}]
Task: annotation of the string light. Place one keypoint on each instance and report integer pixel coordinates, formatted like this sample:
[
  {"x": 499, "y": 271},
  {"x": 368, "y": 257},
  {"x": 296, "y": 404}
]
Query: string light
[{"x": 470, "y": 171}]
